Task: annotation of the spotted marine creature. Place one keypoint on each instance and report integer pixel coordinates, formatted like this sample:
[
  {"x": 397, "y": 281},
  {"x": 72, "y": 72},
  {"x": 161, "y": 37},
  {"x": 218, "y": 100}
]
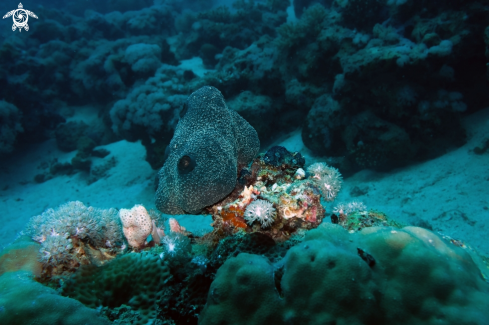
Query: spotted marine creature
[{"x": 210, "y": 146}]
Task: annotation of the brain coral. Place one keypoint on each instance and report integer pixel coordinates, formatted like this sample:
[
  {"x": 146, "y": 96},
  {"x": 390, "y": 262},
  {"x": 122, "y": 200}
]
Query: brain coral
[{"x": 210, "y": 144}]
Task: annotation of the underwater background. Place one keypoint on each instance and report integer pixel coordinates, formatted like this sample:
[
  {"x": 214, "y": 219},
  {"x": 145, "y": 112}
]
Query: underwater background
[{"x": 244, "y": 162}]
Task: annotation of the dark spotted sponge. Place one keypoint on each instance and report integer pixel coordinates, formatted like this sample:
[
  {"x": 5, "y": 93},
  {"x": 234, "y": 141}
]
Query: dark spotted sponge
[{"x": 210, "y": 144}]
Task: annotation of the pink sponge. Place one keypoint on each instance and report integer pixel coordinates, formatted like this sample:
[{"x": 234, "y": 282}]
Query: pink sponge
[{"x": 137, "y": 225}]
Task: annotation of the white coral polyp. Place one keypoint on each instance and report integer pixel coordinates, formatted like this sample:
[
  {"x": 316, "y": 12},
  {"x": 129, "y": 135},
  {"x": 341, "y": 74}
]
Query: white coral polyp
[
  {"x": 261, "y": 211},
  {"x": 328, "y": 178}
]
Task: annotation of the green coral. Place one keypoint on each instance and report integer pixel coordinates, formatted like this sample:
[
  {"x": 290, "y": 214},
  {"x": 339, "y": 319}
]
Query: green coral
[
  {"x": 220, "y": 14},
  {"x": 309, "y": 26},
  {"x": 253, "y": 243},
  {"x": 26, "y": 302},
  {"x": 380, "y": 275},
  {"x": 136, "y": 280},
  {"x": 276, "y": 5},
  {"x": 72, "y": 232}
]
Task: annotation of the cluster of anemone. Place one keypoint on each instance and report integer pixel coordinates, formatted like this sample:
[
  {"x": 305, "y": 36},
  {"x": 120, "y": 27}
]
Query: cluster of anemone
[
  {"x": 175, "y": 245},
  {"x": 55, "y": 230},
  {"x": 349, "y": 208},
  {"x": 55, "y": 250},
  {"x": 327, "y": 178},
  {"x": 261, "y": 211}
]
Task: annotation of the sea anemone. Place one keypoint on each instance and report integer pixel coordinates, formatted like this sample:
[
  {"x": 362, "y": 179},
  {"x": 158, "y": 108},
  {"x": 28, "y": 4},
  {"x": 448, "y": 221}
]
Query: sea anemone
[
  {"x": 262, "y": 211},
  {"x": 328, "y": 178},
  {"x": 176, "y": 245},
  {"x": 352, "y": 207}
]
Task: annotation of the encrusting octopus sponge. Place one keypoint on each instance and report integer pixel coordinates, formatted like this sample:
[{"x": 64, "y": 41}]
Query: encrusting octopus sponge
[{"x": 211, "y": 143}]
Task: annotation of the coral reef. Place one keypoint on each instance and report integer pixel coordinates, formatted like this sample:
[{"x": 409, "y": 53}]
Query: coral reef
[
  {"x": 399, "y": 91},
  {"x": 137, "y": 280},
  {"x": 210, "y": 145},
  {"x": 150, "y": 106},
  {"x": 74, "y": 235},
  {"x": 25, "y": 301},
  {"x": 328, "y": 179},
  {"x": 258, "y": 110},
  {"x": 370, "y": 261},
  {"x": 274, "y": 197},
  {"x": 352, "y": 279},
  {"x": 252, "y": 243},
  {"x": 167, "y": 282},
  {"x": 221, "y": 28},
  {"x": 143, "y": 58},
  {"x": 163, "y": 278},
  {"x": 266, "y": 70},
  {"x": 351, "y": 207},
  {"x": 374, "y": 84},
  {"x": 10, "y": 117},
  {"x": 405, "y": 63}
]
